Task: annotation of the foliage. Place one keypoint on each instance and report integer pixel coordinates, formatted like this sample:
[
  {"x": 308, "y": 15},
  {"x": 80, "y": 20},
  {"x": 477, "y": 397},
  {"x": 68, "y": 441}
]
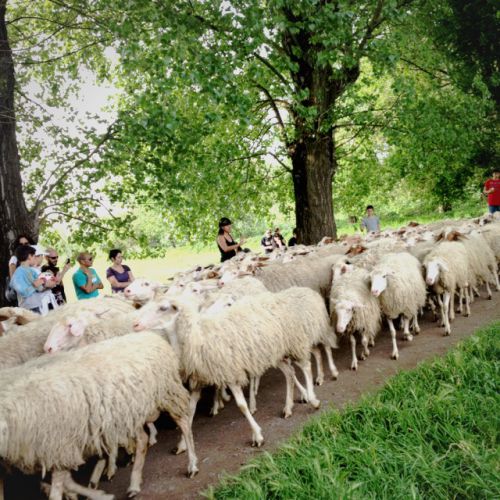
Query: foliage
[{"x": 430, "y": 433}]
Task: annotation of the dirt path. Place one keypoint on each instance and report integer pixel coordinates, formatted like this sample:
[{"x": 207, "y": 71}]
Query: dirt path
[{"x": 222, "y": 443}]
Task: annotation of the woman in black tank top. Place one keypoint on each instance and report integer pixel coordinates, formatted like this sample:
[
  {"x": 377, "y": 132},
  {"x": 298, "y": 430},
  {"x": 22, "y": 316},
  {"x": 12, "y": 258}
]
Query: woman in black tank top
[{"x": 227, "y": 246}]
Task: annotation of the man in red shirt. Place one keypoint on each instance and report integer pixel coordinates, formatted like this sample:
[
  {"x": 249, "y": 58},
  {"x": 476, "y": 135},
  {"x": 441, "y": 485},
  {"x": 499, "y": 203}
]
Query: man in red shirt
[{"x": 492, "y": 189}]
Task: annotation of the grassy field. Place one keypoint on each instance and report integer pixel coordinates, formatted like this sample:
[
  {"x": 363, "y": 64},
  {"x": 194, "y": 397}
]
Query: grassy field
[{"x": 432, "y": 432}]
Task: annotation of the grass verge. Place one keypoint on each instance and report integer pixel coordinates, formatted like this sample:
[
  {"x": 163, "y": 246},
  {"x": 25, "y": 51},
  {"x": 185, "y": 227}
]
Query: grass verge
[{"x": 432, "y": 432}]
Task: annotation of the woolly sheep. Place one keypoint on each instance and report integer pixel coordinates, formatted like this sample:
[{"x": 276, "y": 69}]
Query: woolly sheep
[
  {"x": 29, "y": 339},
  {"x": 99, "y": 397},
  {"x": 243, "y": 341},
  {"x": 353, "y": 309},
  {"x": 447, "y": 269},
  {"x": 142, "y": 290},
  {"x": 398, "y": 283}
]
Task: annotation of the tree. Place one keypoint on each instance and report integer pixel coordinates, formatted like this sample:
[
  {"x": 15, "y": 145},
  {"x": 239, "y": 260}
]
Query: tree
[{"x": 296, "y": 60}]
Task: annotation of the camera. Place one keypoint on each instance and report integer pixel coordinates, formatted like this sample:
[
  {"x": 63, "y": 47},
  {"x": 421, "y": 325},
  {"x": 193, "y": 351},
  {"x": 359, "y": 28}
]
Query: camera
[{"x": 68, "y": 260}]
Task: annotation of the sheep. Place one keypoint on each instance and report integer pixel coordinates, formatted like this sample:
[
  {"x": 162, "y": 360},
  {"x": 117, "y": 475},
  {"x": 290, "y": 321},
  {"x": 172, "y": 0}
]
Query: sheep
[
  {"x": 355, "y": 310},
  {"x": 243, "y": 341},
  {"x": 398, "y": 283},
  {"x": 89, "y": 401},
  {"x": 142, "y": 290},
  {"x": 11, "y": 317},
  {"x": 447, "y": 269},
  {"x": 311, "y": 272},
  {"x": 28, "y": 341}
]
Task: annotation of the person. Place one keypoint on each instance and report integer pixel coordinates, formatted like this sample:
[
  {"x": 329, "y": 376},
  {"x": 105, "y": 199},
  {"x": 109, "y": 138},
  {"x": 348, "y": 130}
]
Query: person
[
  {"x": 119, "y": 275},
  {"x": 51, "y": 267},
  {"x": 267, "y": 242},
  {"x": 227, "y": 246},
  {"x": 492, "y": 190},
  {"x": 22, "y": 239},
  {"x": 293, "y": 240},
  {"x": 370, "y": 223},
  {"x": 85, "y": 279},
  {"x": 279, "y": 241},
  {"x": 32, "y": 288}
]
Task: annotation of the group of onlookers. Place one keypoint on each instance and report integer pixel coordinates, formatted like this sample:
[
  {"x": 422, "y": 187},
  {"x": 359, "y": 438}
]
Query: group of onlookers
[
  {"x": 39, "y": 287},
  {"x": 274, "y": 239}
]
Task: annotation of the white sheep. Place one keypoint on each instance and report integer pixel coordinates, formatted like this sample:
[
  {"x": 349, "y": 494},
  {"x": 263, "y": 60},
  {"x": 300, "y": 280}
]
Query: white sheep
[
  {"x": 447, "y": 270},
  {"x": 89, "y": 401},
  {"x": 353, "y": 309},
  {"x": 142, "y": 290},
  {"x": 398, "y": 283},
  {"x": 245, "y": 340},
  {"x": 28, "y": 341}
]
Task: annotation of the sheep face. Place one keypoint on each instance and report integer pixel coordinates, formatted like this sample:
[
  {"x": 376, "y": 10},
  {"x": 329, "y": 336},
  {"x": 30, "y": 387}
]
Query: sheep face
[
  {"x": 228, "y": 276},
  {"x": 379, "y": 283},
  {"x": 141, "y": 290},
  {"x": 65, "y": 334},
  {"x": 157, "y": 315},
  {"x": 344, "y": 310},
  {"x": 220, "y": 304},
  {"x": 434, "y": 267}
]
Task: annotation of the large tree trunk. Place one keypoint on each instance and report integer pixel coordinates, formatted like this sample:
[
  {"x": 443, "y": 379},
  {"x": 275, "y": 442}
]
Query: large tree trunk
[
  {"x": 14, "y": 217},
  {"x": 313, "y": 167}
]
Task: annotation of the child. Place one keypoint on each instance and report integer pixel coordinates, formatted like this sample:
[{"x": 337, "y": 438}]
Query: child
[{"x": 370, "y": 223}]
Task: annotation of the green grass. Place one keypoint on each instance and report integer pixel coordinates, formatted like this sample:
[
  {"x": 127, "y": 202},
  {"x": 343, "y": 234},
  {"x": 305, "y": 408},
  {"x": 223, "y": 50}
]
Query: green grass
[{"x": 432, "y": 432}]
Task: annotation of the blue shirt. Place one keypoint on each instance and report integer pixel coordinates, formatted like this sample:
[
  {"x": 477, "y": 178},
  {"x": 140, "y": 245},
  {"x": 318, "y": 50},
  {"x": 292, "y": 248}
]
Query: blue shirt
[
  {"x": 22, "y": 281},
  {"x": 80, "y": 279},
  {"x": 371, "y": 223}
]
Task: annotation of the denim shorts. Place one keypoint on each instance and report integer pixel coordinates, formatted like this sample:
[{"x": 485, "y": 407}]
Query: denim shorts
[{"x": 493, "y": 208}]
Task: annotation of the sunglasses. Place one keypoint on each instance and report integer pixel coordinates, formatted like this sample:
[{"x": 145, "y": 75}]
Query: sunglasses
[{"x": 53, "y": 256}]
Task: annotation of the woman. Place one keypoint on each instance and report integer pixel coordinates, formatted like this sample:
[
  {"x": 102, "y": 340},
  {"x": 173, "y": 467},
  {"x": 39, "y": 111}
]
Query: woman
[
  {"x": 119, "y": 275},
  {"x": 227, "y": 246},
  {"x": 20, "y": 241}
]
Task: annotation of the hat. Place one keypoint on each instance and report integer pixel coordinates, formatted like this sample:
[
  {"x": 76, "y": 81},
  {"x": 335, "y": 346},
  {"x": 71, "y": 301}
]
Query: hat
[
  {"x": 39, "y": 250},
  {"x": 224, "y": 222}
]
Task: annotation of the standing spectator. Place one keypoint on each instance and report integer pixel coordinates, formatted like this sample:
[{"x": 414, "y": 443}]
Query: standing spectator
[
  {"x": 293, "y": 240},
  {"x": 278, "y": 238},
  {"x": 85, "y": 280},
  {"x": 119, "y": 275},
  {"x": 29, "y": 286},
  {"x": 227, "y": 246},
  {"x": 267, "y": 242},
  {"x": 492, "y": 189},
  {"x": 51, "y": 266},
  {"x": 20, "y": 240},
  {"x": 370, "y": 223}
]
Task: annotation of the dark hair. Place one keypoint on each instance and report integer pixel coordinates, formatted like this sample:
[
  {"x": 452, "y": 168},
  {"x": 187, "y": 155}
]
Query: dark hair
[
  {"x": 23, "y": 252},
  {"x": 113, "y": 253},
  {"x": 16, "y": 243},
  {"x": 294, "y": 230},
  {"x": 223, "y": 222},
  {"x": 370, "y": 206}
]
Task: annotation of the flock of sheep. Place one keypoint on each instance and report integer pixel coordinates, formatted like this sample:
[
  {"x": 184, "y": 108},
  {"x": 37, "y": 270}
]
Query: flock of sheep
[{"x": 92, "y": 377}]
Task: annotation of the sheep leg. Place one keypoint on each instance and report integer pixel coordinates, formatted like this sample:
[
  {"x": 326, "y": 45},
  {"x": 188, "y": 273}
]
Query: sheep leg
[
  {"x": 305, "y": 366},
  {"x": 218, "y": 403},
  {"x": 257, "y": 438},
  {"x": 301, "y": 388},
  {"x": 193, "y": 401},
  {"x": 395, "y": 352},
  {"x": 57, "y": 485},
  {"x": 406, "y": 329},
  {"x": 152, "y": 433},
  {"x": 416, "y": 326},
  {"x": 187, "y": 433},
  {"x": 451, "y": 308},
  {"x": 494, "y": 275},
  {"x": 441, "y": 308},
  {"x": 460, "y": 298},
  {"x": 227, "y": 397},
  {"x": 488, "y": 290},
  {"x": 97, "y": 473},
  {"x": 364, "y": 343},
  {"x": 354, "y": 359},
  {"x": 320, "y": 378},
  {"x": 289, "y": 373},
  {"x": 331, "y": 365},
  {"x": 252, "y": 401},
  {"x": 113, "y": 454},
  {"x": 467, "y": 303},
  {"x": 73, "y": 487},
  {"x": 141, "y": 448},
  {"x": 446, "y": 310}
]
